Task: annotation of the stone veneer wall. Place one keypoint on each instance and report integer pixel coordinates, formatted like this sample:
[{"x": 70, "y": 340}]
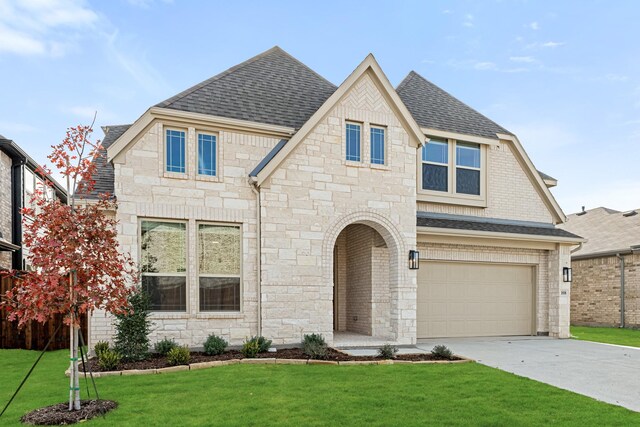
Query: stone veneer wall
[
  {"x": 5, "y": 207},
  {"x": 143, "y": 191},
  {"x": 309, "y": 200},
  {"x": 595, "y": 291},
  {"x": 510, "y": 195}
]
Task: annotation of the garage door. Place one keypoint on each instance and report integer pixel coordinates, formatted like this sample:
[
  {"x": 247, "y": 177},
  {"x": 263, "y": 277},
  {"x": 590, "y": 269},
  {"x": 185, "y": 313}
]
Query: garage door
[{"x": 470, "y": 300}]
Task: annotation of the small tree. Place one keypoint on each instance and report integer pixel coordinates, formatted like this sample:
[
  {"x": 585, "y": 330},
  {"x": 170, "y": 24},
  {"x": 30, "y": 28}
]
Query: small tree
[
  {"x": 74, "y": 252},
  {"x": 132, "y": 329}
]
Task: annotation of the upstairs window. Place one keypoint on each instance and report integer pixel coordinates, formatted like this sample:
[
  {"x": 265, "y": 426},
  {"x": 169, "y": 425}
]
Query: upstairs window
[
  {"x": 435, "y": 166},
  {"x": 468, "y": 168},
  {"x": 175, "y": 151},
  {"x": 207, "y": 154},
  {"x": 377, "y": 145},
  {"x": 353, "y": 142}
]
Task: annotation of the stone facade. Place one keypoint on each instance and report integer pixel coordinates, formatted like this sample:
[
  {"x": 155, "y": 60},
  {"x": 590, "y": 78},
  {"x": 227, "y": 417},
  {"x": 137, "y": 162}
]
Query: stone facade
[
  {"x": 318, "y": 194},
  {"x": 334, "y": 234},
  {"x": 595, "y": 291},
  {"x": 144, "y": 192},
  {"x": 5, "y": 206}
]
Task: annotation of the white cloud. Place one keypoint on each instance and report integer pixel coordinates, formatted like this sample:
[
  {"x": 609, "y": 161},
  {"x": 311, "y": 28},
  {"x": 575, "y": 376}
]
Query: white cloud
[
  {"x": 146, "y": 4},
  {"x": 525, "y": 59},
  {"x": 534, "y": 25},
  {"x": 468, "y": 20},
  {"x": 8, "y": 128},
  {"x": 446, "y": 12},
  {"x": 616, "y": 77},
  {"x": 485, "y": 66},
  {"x": 552, "y": 44},
  {"x": 43, "y": 27}
]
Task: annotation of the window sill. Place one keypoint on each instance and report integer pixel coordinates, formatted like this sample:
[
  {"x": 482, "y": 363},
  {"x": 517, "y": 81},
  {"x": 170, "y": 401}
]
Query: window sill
[
  {"x": 354, "y": 164},
  {"x": 208, "y": 178},
  {"x": 452, "y": 199},
  {"x": 220, "y": 315},
  {"x": 380, "y": 167},
  {"x": 161, "y": 315},
  {"x": 175, "y": 175}
]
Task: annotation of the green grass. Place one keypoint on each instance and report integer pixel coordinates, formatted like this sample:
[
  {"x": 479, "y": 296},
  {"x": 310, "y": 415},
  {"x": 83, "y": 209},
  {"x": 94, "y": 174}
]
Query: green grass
[
  {"x": 630, "y": 337},
  {"x": 458, "y": 394}
]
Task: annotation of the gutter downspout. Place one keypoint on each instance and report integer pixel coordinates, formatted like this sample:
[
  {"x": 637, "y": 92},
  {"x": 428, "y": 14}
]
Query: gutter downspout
[
  {"x": 621, "y": 258},
  {"x": 254, "y": 187},
  {"x": 17, "y": 203}
]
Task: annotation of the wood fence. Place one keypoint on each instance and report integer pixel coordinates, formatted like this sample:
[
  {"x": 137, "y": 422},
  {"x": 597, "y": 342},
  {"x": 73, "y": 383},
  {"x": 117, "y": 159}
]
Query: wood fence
[{"x": 34, "y": 335}]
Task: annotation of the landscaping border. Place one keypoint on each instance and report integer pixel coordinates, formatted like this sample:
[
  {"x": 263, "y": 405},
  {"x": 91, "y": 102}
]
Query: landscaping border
[{"x": 271, "y": 361}]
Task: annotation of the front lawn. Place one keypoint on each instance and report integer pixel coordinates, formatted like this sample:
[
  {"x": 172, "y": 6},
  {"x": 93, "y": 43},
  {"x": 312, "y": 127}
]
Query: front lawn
[
  {"x": 630, "y": 337},
  {"x": 456, "y": 394}
]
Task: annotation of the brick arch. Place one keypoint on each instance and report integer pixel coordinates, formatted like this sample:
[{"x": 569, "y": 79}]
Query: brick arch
[{"x": 395, "y": 244}]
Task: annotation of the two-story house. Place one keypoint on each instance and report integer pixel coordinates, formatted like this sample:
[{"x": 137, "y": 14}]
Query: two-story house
[
  {"x": 268, "y": 201},
  {"x": 20, "y": 176}
]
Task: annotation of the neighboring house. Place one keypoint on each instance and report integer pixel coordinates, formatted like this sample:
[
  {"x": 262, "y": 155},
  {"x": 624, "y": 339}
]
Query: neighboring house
[
  {"x": 19, "y": 177},
  {"x": 606, "y": 268},
  {"x": 267, "y": 200}
]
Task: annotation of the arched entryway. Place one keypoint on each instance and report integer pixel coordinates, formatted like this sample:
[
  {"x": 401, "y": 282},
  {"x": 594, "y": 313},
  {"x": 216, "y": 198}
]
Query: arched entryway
[{"x": 362, "y": 259}]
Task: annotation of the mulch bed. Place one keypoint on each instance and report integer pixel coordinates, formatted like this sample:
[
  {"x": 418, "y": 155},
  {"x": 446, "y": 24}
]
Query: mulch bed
[
  {"x": 59, "y": 414},
  {"x": 156, "y": 361}
]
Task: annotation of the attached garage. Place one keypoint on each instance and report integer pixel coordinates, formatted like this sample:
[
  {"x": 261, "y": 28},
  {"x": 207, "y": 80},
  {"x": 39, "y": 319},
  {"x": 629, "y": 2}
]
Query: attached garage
[{"x": 464, "y": 299}]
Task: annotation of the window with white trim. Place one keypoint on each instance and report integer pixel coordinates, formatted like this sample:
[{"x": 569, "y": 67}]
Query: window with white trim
[
  {"x": 175, "y": 149},
  {"x": 207, "y": 154},
  {"x": 353, "y": 132},
  {"x": 467, "y": 168},
  {"x": 163, "y": 264},
  {"x": 219, "y": 261},
  {"x": 435, "y": 166},
  {"x": 377, "y": 145}
]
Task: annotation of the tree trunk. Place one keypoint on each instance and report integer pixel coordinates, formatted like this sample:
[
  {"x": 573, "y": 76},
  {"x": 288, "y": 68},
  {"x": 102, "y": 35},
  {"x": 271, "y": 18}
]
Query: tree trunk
[
  {"x": 76, "y": 376},
  {"x": 71, "y": 370}
]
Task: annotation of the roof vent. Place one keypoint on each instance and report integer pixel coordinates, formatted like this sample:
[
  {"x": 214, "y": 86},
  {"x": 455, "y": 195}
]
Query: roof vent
[
  {"x": 581, "y": 213},
  {"x": 630, "y": 213}
]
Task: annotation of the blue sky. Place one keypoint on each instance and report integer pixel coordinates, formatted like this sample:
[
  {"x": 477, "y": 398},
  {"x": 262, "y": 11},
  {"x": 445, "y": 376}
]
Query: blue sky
[{"x": 564, "y": 76}]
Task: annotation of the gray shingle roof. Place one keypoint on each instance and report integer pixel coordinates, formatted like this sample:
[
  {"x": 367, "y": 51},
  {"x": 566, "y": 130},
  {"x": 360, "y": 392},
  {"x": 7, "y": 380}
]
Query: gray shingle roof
[
  {"x": 272, "y": 87},
  {"x": 104, "y": 170},
  {"x": 427, "y": 219},
  {"x": 434, "y": 108},
  {"x": 606, "y": 231}
]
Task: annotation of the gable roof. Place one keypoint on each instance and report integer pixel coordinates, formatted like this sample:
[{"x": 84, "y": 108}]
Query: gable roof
[
  {"x": 435, "y": 108},
  {"x": 368, "y": 65},
  {"x": 104, "y": 170},
  {"x": 272, "y": 87},
  {"x": 607, "y": 231}
]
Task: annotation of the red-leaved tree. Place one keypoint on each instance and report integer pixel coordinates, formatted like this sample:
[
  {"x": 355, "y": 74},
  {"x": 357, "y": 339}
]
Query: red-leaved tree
[{"x": 73, "y": 250}]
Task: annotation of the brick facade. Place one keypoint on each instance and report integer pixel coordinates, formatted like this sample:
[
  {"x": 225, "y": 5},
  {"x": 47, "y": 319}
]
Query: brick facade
[
  {"x": 5, "y": 206},
  {"x": 595, "y": 291}
]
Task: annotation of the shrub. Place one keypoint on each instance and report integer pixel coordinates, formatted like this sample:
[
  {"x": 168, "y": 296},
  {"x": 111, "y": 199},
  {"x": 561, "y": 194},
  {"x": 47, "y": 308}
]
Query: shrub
[
  {"x": 100, "y": 347},
  {"x": 314, "y": 346},
  {"x": 133, "y": 328},
  {"x": 108, "y": 360},
  {"x": 442, "y": 352},
  {"x": 250, "y": 348},
  {"x": 215, "y": 345},
  {"x": 387, "y": 351},
  {"x": 179, "y": 355},
  {"x": 164, "y": 346}
]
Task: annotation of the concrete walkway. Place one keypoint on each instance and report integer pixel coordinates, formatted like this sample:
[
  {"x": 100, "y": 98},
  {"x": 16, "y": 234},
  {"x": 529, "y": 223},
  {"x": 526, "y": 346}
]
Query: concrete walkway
[{"x": 605, "y": 372}]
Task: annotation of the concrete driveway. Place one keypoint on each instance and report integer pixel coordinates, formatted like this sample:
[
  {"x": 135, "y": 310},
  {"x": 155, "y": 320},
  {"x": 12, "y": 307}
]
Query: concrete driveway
[{"x": 605, "y": 372}]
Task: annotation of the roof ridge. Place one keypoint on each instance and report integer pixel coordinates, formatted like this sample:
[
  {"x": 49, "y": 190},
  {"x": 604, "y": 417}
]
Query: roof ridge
[
  {"x": 405, "y": 81},
  {"x": 458, "y": 100},
  {"x": 218, "y": 76},
  {"x": 304, "y": 65}
]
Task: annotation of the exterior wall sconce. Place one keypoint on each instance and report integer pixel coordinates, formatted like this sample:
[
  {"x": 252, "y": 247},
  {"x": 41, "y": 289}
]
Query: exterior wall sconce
[
  {"x": 566, "y": 274},
  {"x": 414, "y": 260}
]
